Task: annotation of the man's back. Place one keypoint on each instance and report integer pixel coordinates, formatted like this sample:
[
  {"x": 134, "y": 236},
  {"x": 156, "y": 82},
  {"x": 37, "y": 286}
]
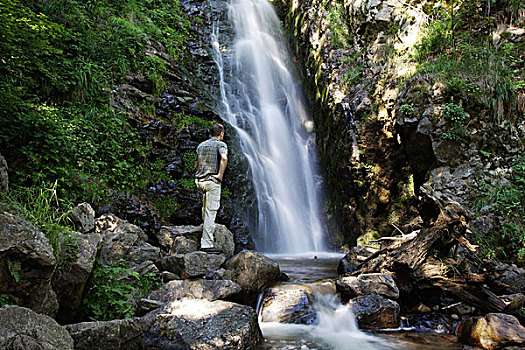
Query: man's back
[{"x": 208, "y": 155}]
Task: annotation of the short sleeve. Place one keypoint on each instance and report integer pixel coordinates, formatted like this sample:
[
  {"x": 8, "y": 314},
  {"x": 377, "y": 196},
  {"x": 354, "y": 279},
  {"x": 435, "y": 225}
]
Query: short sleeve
[{"x": 223, "y": 149}]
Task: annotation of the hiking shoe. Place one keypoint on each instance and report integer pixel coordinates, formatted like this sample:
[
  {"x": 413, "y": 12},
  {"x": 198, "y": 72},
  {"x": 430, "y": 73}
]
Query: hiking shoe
[{"x": 211, "y": 250}]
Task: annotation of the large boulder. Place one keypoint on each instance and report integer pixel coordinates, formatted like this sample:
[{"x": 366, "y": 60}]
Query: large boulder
[
  {"x": 27, "y": 264},
  {"x": 4, "y": 176},
  {"x": 201, "y": 324},
  {"x": 185, "y": 239},
  {"x": 192, "y": 265},
  {"x": 24, "y": 329},
  {"x": 375, "y": 312},
  {"x": 83, "y": 216},
  {"x": 288, "y": 304},
  {"x": 123, "y": 240},
  {"x": 365, "y": 284},
  {"x": 109, "y": 335},
  {"x": 71, "y": 278},
  {"x": 198, "y": 289},
  {"x": 493, "y": 331},
  {"x": 252, "y": 271}
]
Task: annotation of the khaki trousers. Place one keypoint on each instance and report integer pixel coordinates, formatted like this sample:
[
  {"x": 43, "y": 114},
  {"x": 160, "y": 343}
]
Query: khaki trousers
[{"x": 210, "y": 205}]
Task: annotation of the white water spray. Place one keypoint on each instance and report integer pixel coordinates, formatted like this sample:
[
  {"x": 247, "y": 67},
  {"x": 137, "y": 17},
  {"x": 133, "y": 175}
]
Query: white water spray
[{"x": 262, "y": 102}]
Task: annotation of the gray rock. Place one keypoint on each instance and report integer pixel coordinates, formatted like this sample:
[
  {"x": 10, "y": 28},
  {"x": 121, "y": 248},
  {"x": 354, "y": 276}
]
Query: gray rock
[
  {"x": 24, "y": 329},
  {"x": 71, "y": 278},
  {"x": 195, "y": 264},
  {"x": 183, "y": 245},
  {"x": 252, "y": 271},
  {"x": 201, "y": 324},
  {"x": 224, "y": 240},
  {"x": 365, "y": 284},
  {"x": 375, "y": 312},
  {"x": 348, "y": 263},
  {"x": 288, "y": 303},
  {"x": 110, "y": 335},
  {"x": 493, "y": 331},
  {"x": 83, "y": 216},
  {"x": 27, "y": 264},
  {"x": 109, "y": 223},
  {"x": 168, "y": 234},
  {"x": 4, "y": 176},
  {"x": 199, "y": 289}
]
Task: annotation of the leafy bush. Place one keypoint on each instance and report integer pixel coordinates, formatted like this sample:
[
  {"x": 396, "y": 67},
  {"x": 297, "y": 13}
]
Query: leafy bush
[
  {"x": 111, "y": 290},
  {"x": 457, "y": 116}
]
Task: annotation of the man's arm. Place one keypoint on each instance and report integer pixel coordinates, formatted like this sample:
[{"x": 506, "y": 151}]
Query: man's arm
[{"x": 222, "y": 166}]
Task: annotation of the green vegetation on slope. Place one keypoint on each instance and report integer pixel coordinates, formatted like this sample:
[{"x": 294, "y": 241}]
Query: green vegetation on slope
[{"x": 60, "y": 59}]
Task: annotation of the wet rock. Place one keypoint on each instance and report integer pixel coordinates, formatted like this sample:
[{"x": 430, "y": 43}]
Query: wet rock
[
  {"x": 199, "y": 289},
  {"x": 83, "y": 216},
  {"x": 432, "y": 322},
  {"x": 109, "y": 335},
  {"x": 27, "y": 264},
  {"x": 348, "y": 263},
  {"x": 4, "y": 176},
  {"x": 375, "y": 312},
  {"x": 72, "y": 277},
  {"x": 252, "y": 271},
  {"x": 288, "y": 304},
  {"x": 365, "y": 284},
  {"x": 24, "y": 329},
  {"x": 492, "y": 331},
  {"x": 201, "y": 324},
  {"x": 195, "y": 264}
]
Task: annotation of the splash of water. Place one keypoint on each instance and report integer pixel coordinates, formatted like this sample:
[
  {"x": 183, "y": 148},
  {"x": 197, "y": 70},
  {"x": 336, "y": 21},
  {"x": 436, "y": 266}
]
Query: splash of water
[{"x": 262, "y": 102}]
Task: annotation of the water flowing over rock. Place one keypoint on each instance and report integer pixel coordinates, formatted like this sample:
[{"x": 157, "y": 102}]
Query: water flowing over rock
[
  {"x": 375, "y": 312},
  {"x": 27, "y": 264},
  {"x": 4, "y": 176},
  {"x": 72, "y": 277},
  {"x": 288, "y": 304},
  {"x": 274, "y": 129},
  {"x": 107, "y": 335},
  {"x": 252, "y": 271},
  {"x": 191, "y": 265},
  {"x": 83, "y": 216},
  {"x": 24, "y": 329},
  {"x": 201, "y": 324},
  {"x": 370, "y": 283},
  {"x": 493, "y": 331}
]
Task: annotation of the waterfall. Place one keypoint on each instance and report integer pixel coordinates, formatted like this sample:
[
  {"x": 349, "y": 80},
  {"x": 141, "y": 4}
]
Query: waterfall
[{"x": 263, "y": 103}]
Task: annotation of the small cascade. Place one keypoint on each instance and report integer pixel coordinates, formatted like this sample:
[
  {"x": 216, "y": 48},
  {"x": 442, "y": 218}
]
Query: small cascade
[{"x": 263, "y": 103}]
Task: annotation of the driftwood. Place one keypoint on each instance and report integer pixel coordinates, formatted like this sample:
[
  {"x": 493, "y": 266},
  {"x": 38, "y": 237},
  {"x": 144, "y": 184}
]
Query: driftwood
[{"x": 425, "y": 261}]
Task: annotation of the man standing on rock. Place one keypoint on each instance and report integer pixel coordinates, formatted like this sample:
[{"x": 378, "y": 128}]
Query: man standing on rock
[{"x": 212, "y": 157}]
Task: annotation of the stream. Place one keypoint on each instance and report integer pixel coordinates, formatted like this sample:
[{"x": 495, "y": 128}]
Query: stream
[{"x": 336, "y": 327}]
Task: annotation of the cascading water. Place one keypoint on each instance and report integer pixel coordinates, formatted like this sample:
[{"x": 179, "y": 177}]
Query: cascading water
[{"x": 262, "y": 102}]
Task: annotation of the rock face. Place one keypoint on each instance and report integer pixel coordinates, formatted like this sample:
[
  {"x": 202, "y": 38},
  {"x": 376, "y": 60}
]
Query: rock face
[
  {"x": 370, "y": 283},
  {"x": 375, "y": 312},
  {"x": 111, "y": 335},
  {"x": 191, "y": 265},
  {"x": 83, "y": 216},
  {"x": 199, "y": 289},
  {"x": 72, "y": 277},
  {"x": 27, "y": 264},
  {"x": 201, "y": 324},
  {"x": 24, "y": 329},
  {"x": 288, "y": 304},
  {"x": 4, "y": 177},
  {"x": 252, "y": 271},
  {"x": 494, "y": 331}
]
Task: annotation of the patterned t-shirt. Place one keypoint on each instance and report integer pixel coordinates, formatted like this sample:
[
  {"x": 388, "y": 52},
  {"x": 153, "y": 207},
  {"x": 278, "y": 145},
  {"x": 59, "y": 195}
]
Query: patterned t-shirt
[{"x": 208, "y": 157}]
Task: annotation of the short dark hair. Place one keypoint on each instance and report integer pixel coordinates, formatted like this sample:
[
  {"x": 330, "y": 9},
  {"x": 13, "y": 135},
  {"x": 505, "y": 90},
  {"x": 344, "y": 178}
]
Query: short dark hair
[{"x": 216, "y": 129}]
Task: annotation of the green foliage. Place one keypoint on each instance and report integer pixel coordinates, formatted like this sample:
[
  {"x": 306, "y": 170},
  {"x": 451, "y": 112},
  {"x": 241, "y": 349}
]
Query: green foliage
[
  {"x": 14, "y": 268},
  {"x": 42, "y": 207},
  {"x": 507, "y": 201},
  {"x": 338, "y": 28},
  {"x": 8, "y": 299},
  {"x": 407, "y": 110},
  {"x": 166, "y": 206},
  {"x": 183, "y": 120},
  {"x": 457, "y": 116},
  {"x": 111, "y": 289}
]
